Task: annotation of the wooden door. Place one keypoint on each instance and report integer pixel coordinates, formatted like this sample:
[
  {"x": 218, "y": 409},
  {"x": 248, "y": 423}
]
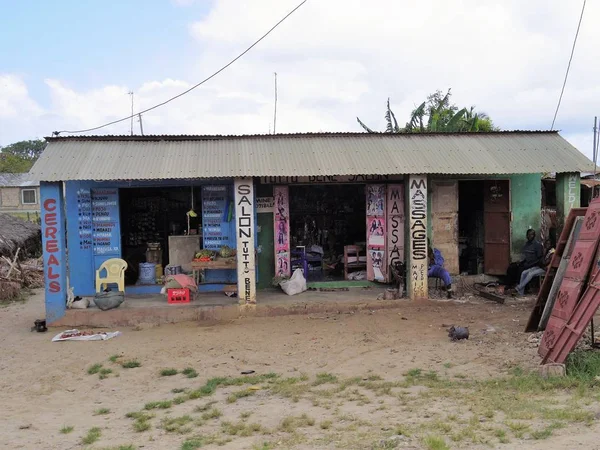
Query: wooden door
[
  {"x": 444, "y": 212},
  {"x": 496, "y": 225}
]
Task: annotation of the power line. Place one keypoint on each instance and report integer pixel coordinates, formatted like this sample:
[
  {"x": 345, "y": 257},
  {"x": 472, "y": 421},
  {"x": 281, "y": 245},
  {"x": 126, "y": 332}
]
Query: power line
[
  {"x": 56, "y": 133},
  {"x": 568, "y": 65}
]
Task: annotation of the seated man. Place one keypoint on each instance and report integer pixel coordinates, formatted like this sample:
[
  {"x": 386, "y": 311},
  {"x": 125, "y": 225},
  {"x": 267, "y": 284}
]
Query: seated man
[
  {"x": 528, "y": 274},
  {"x": 436, "y": 269},
  {"x": 533, "y": 256}
]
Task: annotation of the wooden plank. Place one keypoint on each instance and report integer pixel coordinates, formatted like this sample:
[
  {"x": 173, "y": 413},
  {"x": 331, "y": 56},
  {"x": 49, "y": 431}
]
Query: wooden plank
[
  {"x": 582, "y": 262},
  {"x": 490, "y": 296},
  {"x": 560, "y": 274},
  {"x": 538, "y": 308},
  {"x": 219, "y": 263}
]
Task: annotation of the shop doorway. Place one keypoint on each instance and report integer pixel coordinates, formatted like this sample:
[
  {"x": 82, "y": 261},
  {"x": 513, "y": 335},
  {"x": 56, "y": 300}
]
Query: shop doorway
[
  {"x": 484, "y": 226},
  {"x": 324, "y": 220},
  {"x": 471, "y": 236},
  {"x": 149, "y": 216}
]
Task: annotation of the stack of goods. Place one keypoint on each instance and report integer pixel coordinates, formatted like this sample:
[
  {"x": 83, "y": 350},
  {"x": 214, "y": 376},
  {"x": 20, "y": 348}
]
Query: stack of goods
[{"x": 205, "y": 255}]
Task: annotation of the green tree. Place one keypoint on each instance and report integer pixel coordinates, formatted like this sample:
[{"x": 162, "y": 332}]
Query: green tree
[
  {"x": 20, "y": 156},
  {"x": 437, "y": 115}
]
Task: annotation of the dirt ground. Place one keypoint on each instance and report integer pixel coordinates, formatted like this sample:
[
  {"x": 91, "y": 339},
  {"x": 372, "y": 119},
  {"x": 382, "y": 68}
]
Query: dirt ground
[{"x": 384, "y": 379}]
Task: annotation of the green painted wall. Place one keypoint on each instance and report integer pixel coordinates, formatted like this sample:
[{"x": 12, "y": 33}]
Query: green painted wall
[
  {"x": 525, "y": 205},
  {"x": 568, "y": 188},
  {"x": 266, "y": 241}
]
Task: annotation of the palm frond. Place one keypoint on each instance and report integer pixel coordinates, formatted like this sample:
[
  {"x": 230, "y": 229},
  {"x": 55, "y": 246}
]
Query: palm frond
[
  {"x": 454, "y": 122},
  {"x": 366, "y": 128},
  {"x": 388, "y": 118}
]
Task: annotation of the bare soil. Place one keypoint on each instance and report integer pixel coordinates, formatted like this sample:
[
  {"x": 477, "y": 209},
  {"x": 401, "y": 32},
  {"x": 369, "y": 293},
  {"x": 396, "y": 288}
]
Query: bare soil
[{"x": 384, "y": 379}]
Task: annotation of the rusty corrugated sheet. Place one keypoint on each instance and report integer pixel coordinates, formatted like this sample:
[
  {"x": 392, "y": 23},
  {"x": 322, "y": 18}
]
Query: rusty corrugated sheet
[
  {"x": 562, "y": 343},
  {"x": 556, "y": 338},
  {"x": 177, "y": 157},
  {"x": 563, "y": 248}
]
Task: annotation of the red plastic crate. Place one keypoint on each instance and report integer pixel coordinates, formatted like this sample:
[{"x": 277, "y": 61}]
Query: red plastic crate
[{"x": 178, "y": 296}]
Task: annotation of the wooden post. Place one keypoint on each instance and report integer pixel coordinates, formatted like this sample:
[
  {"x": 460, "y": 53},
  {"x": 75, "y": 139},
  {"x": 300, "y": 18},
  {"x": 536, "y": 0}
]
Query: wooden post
[
  {"x": 417, "y": 238},
  {"x": 244, "y": 231}
]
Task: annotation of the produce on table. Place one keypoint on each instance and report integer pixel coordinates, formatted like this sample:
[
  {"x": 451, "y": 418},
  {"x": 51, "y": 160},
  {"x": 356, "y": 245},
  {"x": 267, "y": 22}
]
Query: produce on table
[
  {"x": 204, "y": 253},
  {"x": 226, "y": 252}
]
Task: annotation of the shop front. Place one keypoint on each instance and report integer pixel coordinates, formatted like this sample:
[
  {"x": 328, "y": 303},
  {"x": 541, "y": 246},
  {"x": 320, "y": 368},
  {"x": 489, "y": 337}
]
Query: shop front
[
  {"x": 156, "y": 228},
  {"x": 337, "y": 229}
]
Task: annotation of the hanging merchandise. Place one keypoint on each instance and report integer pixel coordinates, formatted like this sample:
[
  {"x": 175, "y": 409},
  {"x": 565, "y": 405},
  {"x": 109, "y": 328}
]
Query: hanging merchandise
[{"x": 191, "y": 212}]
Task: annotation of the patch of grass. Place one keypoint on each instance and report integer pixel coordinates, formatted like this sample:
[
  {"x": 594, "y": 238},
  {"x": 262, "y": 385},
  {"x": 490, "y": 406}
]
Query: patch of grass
[
  {"x": 189, "y": 372},
  {"x": 165, "y": 404},
  {"x": 245, "y": 414},
  {"x": 235, "y": 396},
  {"x": 104, "y": 373},
  {"x": 177, "y": 390},
  {"x": 131, "y": 364},
  {"x": 489, "y": 414},
  {"x": 292, "y": 388},
  {"x": 168, "y": 372},
  {"x": 435, "y": 443},
  {"x": 501, "y": 435},
  {"x": 141, "y": 425},
  {"x": 175, "y": 424},
  {"x": 448, "y": 365},
  {"x": 66, "y": 429},
  {"x": 214, "y": 383},
  {"x": 443, "y": 427},
  {"x": 180, "y": 399},
  {"x": 114, "y": 358},
  {"x": 326, "y": 424},
  {"x": 94, "y": 369},
  {"x": 92, "y": 436},
  {"x": 193, "y": 444},
  {"x": 546, "y": 432},
  {"x": 413, "y": 373},
  {"x": 325, "y": 378},
  {"x": 518, "y": 428},
  {"x": 291, "y": 423},
  {"x": 569, "y": 414},
  {"x": 139, "y": 415},
  {"x": 240, "y": 428},
  {"x": 101, "y": 411},
  {"x": 214, "y": 413},
  {"x": 206, "y": 407},
  {"x": 583, "y": 365}
]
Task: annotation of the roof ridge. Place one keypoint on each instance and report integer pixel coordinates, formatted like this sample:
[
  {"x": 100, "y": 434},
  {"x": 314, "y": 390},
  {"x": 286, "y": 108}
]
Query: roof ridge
[{"x": 200, "y": 137}]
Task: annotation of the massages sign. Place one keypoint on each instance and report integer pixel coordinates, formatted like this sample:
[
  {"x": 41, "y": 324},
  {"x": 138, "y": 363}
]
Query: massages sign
[{"x": 418, "y": 236}]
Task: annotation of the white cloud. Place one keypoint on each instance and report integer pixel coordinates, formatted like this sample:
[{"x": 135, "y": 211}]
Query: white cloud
[{"x": 339, "y": 59}]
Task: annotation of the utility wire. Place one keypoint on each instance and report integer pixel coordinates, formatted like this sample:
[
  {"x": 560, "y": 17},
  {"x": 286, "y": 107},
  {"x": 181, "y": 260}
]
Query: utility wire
[
  {"x": 56, "y": 133},
  {"x": 568, "y": 65}
]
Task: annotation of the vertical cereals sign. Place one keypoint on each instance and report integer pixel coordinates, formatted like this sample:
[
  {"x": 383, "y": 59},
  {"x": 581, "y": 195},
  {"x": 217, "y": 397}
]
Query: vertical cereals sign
[
  {"x": 52, "y": 246},
  {"x": 244, "y": 230},
  {"x": 53, "y": 242},
  {"x": 417, "y": 209}
]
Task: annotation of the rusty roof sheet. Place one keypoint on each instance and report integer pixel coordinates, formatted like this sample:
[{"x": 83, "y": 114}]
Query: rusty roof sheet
[{"x": 176, "y": 157}]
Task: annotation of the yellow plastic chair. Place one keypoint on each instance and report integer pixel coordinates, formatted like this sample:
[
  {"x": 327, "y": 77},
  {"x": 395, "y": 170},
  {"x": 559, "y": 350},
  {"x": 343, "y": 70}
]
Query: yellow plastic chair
[{"x": 115, "y": 273}]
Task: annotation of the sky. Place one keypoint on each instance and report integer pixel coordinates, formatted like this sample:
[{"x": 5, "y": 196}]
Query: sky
[{"x": 69, "y": 65}]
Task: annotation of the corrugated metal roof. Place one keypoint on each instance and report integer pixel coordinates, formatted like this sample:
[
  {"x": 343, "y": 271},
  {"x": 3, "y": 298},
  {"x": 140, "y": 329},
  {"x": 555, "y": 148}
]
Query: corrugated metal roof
[
  {"x": 16, "y": 180},
  {"x": 174, "y": 157}
]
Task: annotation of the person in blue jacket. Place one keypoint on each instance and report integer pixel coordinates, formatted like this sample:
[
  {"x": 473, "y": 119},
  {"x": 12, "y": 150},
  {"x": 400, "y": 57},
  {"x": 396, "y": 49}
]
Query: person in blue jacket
[{"x": 436, "y": 269}]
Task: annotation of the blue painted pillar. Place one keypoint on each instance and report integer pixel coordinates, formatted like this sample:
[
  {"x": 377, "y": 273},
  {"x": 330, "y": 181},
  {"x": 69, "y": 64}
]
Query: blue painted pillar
[{"x": 54, "y": 250}]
